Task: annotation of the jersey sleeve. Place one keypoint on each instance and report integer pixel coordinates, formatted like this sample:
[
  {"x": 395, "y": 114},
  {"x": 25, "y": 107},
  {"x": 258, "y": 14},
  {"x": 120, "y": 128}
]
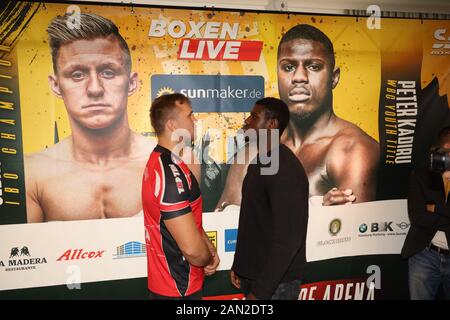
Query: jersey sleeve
[{"x": 175, "y": 192}]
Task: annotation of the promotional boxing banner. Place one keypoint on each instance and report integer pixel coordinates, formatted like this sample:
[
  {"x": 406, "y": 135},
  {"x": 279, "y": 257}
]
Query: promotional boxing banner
[
  {"x": 74, "y": 145},
  {"x": 97, "y": 250}
]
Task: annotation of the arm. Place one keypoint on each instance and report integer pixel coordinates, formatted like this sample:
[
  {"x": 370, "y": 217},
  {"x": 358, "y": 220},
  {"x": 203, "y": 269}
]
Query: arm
[
  {"x": 417, "y": 211},
  {"x": 176, "y": 212},
  {"x": 189, "y": 239},
  {"x": 289, "y": 202},
  {"x": 232, "y": 193},
  {"x": 352, "y": 164},
  {"x": 34, "y": 210},
  {"x": 235, "y": 279}
]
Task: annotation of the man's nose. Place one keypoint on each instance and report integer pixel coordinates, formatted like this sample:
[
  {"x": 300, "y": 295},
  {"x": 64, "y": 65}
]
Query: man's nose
[
  {"x": 95, "y": 86},
  {"x": 300, "y": 74}
]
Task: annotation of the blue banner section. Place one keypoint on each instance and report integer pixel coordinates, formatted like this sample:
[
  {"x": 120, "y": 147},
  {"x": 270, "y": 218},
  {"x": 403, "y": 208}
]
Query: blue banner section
[
  {"x": 212, "y": 93},
  {"x": 230, "y": 240}
]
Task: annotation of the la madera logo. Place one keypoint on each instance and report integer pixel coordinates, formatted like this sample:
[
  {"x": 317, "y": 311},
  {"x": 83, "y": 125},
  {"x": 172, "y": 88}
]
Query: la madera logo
[
  {"x": 20, "y": 258},
  {"x": 212, "y": 93}
]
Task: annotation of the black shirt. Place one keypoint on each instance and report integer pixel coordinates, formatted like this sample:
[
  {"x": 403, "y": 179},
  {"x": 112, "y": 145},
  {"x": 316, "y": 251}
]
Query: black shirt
[
  {"x": 273, "y": 221},
  {"x": 425, "y": 187}
]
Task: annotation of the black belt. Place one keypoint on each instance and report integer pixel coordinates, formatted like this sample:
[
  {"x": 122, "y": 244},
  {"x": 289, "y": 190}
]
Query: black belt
[{"x": 440, "y": 250}]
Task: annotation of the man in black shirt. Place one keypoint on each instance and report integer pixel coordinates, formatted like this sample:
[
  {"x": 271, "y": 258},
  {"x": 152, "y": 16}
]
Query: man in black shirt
[
  {"x": 427, "y": 243},
  {"x": 270, "y": 252}
]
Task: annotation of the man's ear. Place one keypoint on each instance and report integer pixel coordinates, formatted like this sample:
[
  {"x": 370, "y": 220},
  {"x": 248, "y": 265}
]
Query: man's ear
[
  {"x": 171, "y": 125},
  {"x": 54, "y": 85},
  {"x": 134, "y": 83},
  {"x": 335, "y": 77},
  {"x": 272, "y": 124}
]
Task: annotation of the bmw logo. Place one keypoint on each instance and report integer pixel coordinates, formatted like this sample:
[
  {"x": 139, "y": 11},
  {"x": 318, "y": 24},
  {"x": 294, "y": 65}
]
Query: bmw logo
[{"x": 363, "y": 228}]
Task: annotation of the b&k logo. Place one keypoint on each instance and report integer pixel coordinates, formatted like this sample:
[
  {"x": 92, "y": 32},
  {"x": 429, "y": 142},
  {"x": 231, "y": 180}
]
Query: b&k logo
[
  {"x": 381, "y": 226},
  {"x": 377, "y": 227}
]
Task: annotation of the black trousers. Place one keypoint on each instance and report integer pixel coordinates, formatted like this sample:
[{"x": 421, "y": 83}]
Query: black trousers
[{"x": 285, "y": 291}]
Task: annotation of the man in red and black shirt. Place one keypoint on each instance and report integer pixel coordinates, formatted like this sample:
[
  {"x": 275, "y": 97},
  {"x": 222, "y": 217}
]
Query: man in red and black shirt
[{"x": 178, "y": 251}]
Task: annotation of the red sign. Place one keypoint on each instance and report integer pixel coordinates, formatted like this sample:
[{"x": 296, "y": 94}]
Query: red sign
[
  {"x": 346, "y": 289},
  {"x": 80, "y": 254},
  {"x": 210, "y": 49}
]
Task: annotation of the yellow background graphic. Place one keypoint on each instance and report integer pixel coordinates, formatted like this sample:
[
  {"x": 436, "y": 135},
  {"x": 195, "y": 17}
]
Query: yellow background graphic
[{"x": 357, "y": 49}]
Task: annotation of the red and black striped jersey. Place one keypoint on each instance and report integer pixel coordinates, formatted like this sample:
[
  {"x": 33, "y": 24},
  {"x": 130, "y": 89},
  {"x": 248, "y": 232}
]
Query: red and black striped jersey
[{"x": 169, "y": 190}]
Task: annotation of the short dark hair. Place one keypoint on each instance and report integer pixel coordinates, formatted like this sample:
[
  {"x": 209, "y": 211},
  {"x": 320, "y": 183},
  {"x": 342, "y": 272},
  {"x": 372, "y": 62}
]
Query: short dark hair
[
  {"x": 308, "y": 32},
  {"x": 91, "y": 27},
  {"x": 275, "y": 109},
  {"x": 162, "y": 109}
]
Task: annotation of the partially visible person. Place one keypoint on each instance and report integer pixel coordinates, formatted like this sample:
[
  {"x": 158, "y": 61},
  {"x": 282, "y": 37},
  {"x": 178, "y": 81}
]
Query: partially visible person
[
  {"x": 270, "y": 260},
  {"x": 179, "y": 252},
  {"x": 96, "y": 172},
  {"x": 426, "y": 245},
  {"x": 339, "y": 158}
]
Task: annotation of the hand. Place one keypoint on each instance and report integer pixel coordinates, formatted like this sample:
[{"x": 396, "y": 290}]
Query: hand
[
  {"x": 446, "y": 175},
  {"x": 337, "y": 197},
  {"x": 222, "y": 206},
  {"x": 210, "y": 269},
  {"x": 235, "y": 279},
  {"x": 251, "y": 296}
]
